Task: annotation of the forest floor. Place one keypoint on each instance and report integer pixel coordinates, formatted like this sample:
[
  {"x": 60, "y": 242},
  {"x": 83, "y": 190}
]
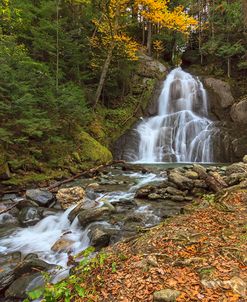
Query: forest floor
[{"x": 200, "y": 255}]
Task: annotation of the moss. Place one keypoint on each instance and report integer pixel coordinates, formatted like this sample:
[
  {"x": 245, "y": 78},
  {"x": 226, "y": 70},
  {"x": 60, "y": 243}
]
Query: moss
[
  {"x": 35, "y": 178},
  {"x": 91, "y": 150}
]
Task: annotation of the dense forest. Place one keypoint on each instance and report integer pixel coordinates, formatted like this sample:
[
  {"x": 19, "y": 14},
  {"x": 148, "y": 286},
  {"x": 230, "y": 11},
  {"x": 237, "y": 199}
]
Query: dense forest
[{"x": 68, "y": 71}]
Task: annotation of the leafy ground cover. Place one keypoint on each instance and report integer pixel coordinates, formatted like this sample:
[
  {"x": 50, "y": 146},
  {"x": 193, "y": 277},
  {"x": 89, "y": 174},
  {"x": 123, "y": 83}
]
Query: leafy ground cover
[{"x": 201, "y": 253}]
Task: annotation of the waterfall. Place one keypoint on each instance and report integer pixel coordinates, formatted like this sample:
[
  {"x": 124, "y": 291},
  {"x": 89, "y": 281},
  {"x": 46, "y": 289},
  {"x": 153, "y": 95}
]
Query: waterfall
[{"x": 181, "y": 132}]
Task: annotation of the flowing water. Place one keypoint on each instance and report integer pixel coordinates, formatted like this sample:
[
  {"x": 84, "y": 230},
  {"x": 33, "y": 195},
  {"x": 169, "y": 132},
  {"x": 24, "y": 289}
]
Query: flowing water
[
  {"x": 41, "y": 237},
  {"x": 181, "y": 132}
]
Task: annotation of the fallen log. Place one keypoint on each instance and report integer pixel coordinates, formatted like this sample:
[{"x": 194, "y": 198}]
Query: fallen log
[
  {"x": 89, "y": 173},
  {"x": 213, "y": 180}
]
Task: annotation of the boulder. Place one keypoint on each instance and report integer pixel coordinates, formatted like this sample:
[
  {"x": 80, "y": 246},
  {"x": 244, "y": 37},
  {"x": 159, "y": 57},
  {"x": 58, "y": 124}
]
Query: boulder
[
  {"x": 222, "y": 90},
  {"x": 236, "y": 168},
  {"x": 191, "y": 174},
  {"x": 28, "y": 266},
  {"x": 29, "y": 216},
  {"x": 245, "y": 159},
  {"x": 23, "y": 203},
  {"x": 62, "y": 245},
  {"x": 166, "y": 295},
  {"x": 18, "y": 289},
  {"x": 151, "y": 68},
  {"x": 154, "y": 196},
  {"x": 180, "y": 181},
  {"x": 68, "y": 197},
  {"x": 95, "y": 214},
  {"x": 143, "y": 192},
  {"x": 99, "y": 237},
  {"x": 41, "y": 197},
  {"x": 174, "y": 191},
  {"x": 239, "y": 112}
]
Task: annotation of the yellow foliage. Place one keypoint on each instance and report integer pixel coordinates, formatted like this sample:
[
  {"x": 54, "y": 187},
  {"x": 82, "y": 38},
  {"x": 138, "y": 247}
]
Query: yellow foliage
[{"x": 156, "y": 11}]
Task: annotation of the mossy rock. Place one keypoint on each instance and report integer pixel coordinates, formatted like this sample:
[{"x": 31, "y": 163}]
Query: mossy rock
[{"x": 91, "y": 150}]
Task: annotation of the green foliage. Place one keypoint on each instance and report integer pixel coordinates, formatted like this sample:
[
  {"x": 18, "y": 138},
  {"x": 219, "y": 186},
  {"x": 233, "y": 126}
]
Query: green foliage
[{"x": 72, "y": 286}]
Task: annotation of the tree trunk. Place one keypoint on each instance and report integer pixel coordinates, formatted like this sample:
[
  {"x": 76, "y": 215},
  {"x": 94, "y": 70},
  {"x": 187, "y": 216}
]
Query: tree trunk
[
  {"x": 244, "y": 5},
  {"x": 149, "y": 39},
  {"x": 229, "y": 67},
  {"x": 103, "y": 76},
  {"x": 57, "y": 45}
]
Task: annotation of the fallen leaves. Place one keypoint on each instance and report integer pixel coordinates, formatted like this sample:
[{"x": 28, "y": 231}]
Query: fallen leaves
[{"x": 196, "y": 254}]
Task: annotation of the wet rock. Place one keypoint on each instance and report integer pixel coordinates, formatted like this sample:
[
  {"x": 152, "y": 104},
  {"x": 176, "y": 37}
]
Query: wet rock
[
  {"x": 174, "y": 191},
  {"x": 9, "y": 274},
  {"x": 42, "y": 197},
  {"x": 7, "y": 277},
  {"x": 133, "y": 217},
  {"x": 26, "y": 203},
  {"x": 87, "y": 204},
  {"x": 236, "y": 168},
  {"x": 99, "y": 237},
  {"x": 62, "y": 245},
  {"x": 239, "y": 112},
  {"x": 90, "y": 215},
  {"x": 7, "y": 197},
  {"x": 177, "y": 198},
  {"x": 29, "y": 216},
  {"x": 70, "y": 196},
  {"x": 200, "y": 170},
  {"x": 181, "y": 181},
  {"x": 31, "y": 256},
  {"x": 93, "y": 186},
  {"x": 109, "y": 205},
  {"x": 18, "y": 289},
  {"x": 166, "y": 295},
  {"x": 154, "y": 196},
  {"x": 143, "y": 192},
  {"x": 31, "y": 265}
]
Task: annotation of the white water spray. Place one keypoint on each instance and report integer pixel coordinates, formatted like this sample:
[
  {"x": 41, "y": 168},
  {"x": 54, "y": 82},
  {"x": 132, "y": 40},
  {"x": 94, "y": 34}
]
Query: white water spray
[{"x": 181, "y": 132}]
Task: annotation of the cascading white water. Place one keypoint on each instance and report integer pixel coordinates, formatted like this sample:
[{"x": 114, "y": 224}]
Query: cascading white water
[{"x": 181, "y": 132}]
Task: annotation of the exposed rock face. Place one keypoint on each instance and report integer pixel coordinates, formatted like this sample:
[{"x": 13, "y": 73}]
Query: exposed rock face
[
  {"x": 151, "y": 68},
  {"x": 127, "y": 146},
  {"x": 41, "y": 197},
  {"x": 70, "y": 196},
  {"x": 222, "y": 90},
  {"x": 239, "y": 112}
]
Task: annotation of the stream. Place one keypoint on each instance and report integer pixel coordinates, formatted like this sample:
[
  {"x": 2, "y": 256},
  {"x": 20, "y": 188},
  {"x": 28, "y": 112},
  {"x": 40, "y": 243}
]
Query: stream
[{"x": 112, "y": 187}]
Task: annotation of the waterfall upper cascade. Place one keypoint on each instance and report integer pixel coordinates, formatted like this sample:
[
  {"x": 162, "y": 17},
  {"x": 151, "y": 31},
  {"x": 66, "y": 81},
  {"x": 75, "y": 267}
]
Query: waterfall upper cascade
[{"x": 181, "y": 132}]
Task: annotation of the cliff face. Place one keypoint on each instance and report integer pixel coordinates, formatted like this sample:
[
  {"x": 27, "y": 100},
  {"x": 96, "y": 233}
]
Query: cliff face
[{"x": 231, "y": 114}]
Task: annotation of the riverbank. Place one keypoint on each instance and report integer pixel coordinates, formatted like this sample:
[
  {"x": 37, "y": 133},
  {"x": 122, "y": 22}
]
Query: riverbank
[
  {"x": 197, "y": 256},
  {"x": 186, "y": 213}
]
